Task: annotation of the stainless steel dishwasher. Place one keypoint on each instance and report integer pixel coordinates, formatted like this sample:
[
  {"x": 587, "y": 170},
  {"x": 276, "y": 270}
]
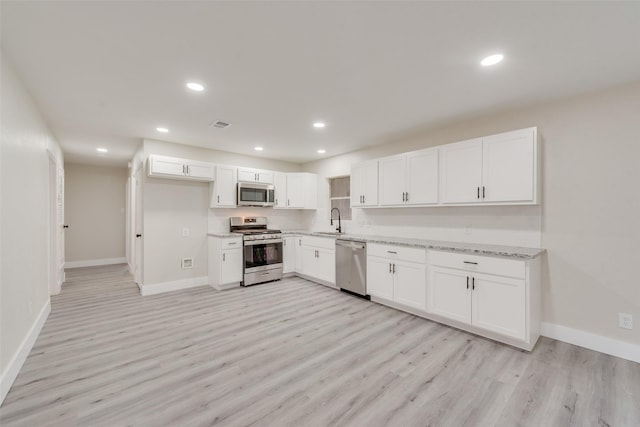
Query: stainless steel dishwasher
[{"x": 351, "y": 267}]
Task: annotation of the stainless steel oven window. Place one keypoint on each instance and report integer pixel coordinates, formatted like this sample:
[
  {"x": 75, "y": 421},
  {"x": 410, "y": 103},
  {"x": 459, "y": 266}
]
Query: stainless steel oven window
[{"x": 258, "y": 253}]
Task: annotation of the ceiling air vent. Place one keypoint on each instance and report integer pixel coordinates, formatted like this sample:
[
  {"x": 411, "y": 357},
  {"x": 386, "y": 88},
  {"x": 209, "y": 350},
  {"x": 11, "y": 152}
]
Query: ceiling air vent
[{"x": 219, "y": 124}]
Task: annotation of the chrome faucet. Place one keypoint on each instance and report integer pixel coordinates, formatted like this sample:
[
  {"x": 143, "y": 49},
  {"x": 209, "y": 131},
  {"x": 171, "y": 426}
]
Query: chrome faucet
[{"x": 339, "y": 229}]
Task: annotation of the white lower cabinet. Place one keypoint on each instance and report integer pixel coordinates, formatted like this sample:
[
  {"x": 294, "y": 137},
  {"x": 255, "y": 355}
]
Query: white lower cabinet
[
  {"x": 490, "y": 294},
  {"x": 289, "y": 254},
  {"x": 225, "y": 262},
  {"x": 319, "y": 259},
  {"x": 397, "y": 274}
]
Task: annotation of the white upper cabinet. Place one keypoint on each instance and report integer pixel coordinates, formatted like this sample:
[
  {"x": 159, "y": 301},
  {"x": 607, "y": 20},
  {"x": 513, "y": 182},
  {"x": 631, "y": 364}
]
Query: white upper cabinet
[
  {"x": 296, "y": 190},
  {"x": 495, "y": 169},
  {"x": 461, "y": 171},
  {"x": 509, "y": 166},
  {"x": 255, "y": 175},
  {"x": 223, "y": 189},
  {"x": 392, "y": 180},
  {"x": 280, "y": 184},
  {"x": 177, "y": 168},
  {"x": 364, "y": 184},
  {"x": 409, "y": 179}
]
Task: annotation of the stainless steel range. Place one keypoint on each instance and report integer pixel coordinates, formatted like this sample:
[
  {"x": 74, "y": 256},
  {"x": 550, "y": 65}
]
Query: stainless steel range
[{"x": 262, "y": 254}]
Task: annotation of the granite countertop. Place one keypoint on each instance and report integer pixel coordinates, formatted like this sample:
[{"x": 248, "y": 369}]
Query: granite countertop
[
  {"x": 470, "y": 248},
  {"x": 224, "y": 234}
]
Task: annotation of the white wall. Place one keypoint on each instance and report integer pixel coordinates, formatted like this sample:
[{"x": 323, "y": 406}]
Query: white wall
[
  {"x": 95, "y": 213},
  {"x": 171, "y": 205},
  {"x": 24, "y": 275},
  {"x": 588, "y": 218}
]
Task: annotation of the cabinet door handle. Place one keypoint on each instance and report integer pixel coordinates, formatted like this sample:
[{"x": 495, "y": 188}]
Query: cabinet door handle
[
  {"x": 483, "y": 191},
  {"x": 394, "y": 269},
  {"x": 389, "y": 267},
  {"x": 364, "y": 198},
  {"x": 473, "y": 283},
  {"x": 288, "y": 202},
  {"x": 188, "y": 171},
  {"x": 470, "y": 262},
  {"x": 276, "y": 202},
  {"x": 299, "y": 242},
  {"x": 407, "y": 197},
  {"x": 224, "y": 257},
  {"x": 478, "y": 192},
  {"x": 218, "y": 198},
  {"x": 467, "y": 282}
]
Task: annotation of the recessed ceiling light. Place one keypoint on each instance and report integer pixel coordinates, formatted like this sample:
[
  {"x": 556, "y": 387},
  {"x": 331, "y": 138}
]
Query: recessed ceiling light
[
  {"x": 195, "y": 86},
  {"x": 258, "y": 148},
  {"x": 492, "y": 60},
  {"x": 163, "y": 130},
  {"x": 102, "y": 150},
  {"x": 321, "y": 151},
  {"x": 318, "y": 125}
]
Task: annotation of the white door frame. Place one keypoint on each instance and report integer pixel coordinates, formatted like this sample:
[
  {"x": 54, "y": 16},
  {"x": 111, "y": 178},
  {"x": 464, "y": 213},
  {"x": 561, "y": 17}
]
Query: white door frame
[
  {"x": 55, "y": 226},
  {"x": 135, "y": 217}
]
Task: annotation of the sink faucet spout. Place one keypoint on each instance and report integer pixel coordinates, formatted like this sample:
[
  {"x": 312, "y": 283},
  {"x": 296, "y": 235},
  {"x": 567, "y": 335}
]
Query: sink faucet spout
[{"x": 339, "y": 229}]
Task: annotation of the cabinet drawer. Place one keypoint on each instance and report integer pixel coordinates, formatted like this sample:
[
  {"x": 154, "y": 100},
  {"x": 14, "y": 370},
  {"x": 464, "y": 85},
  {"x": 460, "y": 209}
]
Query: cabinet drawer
[
  {"x": 397, "y": 252},
  {"x": 480, "y": 264},
  {"x": 231, "y": 243},
  {"x": 319, "y": 242}
]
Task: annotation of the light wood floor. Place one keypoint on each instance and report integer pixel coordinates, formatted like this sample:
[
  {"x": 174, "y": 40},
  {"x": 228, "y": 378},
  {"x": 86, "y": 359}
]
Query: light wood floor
[{"x": 294, "y": 353}]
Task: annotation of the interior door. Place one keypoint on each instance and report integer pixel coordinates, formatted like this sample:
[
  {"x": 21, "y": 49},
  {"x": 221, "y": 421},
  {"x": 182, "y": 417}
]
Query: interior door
[
  {"x": 60, "y": 226},
  {"x": 137, "y": 275}
]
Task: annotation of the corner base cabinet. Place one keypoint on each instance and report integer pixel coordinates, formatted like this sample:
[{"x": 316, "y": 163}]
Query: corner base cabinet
[
  {"x": 494, "y": 297},
  {"x": 225, "y": 262}
]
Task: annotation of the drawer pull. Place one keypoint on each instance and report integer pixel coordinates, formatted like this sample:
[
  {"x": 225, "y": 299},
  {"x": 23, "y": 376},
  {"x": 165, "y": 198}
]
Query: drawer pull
[
  {"x": 470, "y": 262},
  {"x": 233, "y": 243},
  {"x": 392, "y": 252}
]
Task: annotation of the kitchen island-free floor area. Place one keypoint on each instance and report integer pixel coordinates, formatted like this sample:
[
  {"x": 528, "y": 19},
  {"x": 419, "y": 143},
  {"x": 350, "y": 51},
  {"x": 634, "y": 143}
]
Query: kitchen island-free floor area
[{"x": 293, "y": 353}]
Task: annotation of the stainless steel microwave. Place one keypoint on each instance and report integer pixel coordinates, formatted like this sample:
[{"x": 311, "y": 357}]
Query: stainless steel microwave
[{"x": 255, "y": 194}]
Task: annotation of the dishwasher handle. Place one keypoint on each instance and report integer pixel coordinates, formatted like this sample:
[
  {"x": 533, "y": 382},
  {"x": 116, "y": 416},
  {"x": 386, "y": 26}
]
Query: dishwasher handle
[{"x": 350, "y": 244}]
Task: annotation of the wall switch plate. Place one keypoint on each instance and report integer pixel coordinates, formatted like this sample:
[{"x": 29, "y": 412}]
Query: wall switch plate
[
  {"x": 187, "y": 263},
  {"x": 625, "y": 321},
  {"x": 185, "y": 232}
]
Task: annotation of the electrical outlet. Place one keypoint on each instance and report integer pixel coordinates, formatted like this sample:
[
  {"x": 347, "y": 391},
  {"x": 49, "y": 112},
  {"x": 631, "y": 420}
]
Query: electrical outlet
[
  {"x": 185, "y": 232},
  {"x": 625, "y": 321}
]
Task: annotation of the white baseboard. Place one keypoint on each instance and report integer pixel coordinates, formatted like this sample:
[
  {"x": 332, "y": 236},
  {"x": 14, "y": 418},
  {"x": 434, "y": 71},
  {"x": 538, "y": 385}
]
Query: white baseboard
[
  {"x": 158, "y": 288},
  {"x": 94, "y": 262},
  {"x": 613, "y": 347},
  {"x": 18, "y": 359}
]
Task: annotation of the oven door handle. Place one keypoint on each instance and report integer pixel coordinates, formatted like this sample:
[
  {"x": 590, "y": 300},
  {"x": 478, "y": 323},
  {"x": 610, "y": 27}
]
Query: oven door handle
[{"x": 261, "y": 242}]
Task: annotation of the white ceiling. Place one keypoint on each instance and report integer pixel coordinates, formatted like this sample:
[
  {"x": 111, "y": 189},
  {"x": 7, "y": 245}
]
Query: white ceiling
[{"x": 108, "y": 73}]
